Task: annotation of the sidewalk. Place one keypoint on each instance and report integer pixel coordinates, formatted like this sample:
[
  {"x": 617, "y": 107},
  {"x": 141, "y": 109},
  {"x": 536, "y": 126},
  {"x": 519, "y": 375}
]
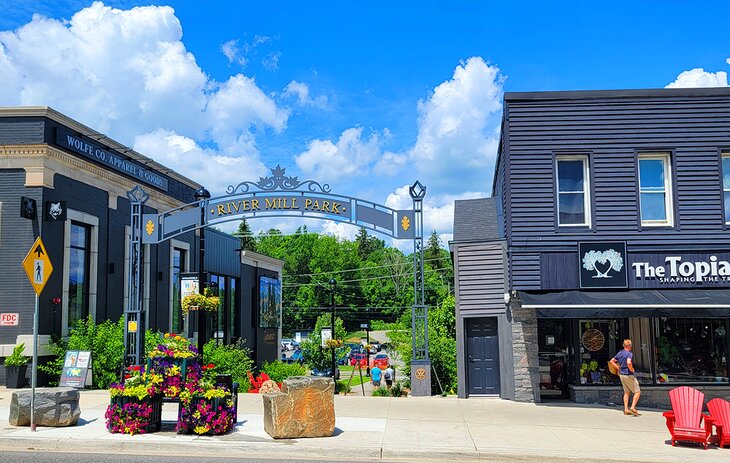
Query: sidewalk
[{"x": 375, "y": 429}]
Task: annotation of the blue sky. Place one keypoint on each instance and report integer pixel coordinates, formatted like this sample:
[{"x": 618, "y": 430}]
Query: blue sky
[{"x": 343, "y": 84}]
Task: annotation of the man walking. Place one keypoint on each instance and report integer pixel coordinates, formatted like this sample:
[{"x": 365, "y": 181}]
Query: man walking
[
  {"x": 623, "y": 363},
  {"x": 375, "y": 376}
]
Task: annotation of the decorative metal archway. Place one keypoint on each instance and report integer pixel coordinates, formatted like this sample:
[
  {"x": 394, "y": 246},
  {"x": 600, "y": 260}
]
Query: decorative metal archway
[{"x": 280, "y": 195}]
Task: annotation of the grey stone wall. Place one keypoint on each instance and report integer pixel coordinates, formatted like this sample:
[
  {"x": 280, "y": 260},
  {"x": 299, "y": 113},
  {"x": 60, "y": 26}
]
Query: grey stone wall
[
  {"x": 651, "y": 397},
  {"x": 524, "y": 349}
]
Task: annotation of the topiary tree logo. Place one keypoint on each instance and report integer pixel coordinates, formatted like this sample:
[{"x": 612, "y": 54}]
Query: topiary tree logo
[{"x": 603, "y": 262}]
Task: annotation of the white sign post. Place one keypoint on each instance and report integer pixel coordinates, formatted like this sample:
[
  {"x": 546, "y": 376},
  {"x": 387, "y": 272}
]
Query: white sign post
[{"x": 38, "y": 268}]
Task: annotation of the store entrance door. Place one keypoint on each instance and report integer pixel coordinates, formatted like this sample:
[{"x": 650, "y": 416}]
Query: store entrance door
[
  {"x": 482, "y": 350},
  {"x": 553, "y": 357}
]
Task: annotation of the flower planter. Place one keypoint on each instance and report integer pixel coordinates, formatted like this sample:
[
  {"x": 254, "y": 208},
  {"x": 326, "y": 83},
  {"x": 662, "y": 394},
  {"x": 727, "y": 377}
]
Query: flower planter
[
  {"x": 152, "y": 423},
  {"x": 203, "y": 416},
  {"x": 15, "y": 376}
]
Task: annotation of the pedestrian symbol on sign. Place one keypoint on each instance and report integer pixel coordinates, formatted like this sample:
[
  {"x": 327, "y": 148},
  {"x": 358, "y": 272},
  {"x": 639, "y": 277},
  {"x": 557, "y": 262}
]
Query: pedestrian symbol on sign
[{"x": 38, "y": 275}]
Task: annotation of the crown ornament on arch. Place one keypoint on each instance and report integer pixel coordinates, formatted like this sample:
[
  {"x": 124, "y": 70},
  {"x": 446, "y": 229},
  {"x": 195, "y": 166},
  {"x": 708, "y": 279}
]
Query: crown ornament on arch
[{"x": 279, "y": 181}]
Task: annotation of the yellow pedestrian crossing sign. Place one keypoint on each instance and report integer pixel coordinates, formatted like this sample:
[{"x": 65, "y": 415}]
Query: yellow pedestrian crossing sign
[{"x": 38, "y": 266}]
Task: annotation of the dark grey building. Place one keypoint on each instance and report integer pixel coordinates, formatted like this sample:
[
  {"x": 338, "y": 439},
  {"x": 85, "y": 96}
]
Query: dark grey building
[
  {"x": 609, "y": 220},
  {"x": 78, "y": 179}
]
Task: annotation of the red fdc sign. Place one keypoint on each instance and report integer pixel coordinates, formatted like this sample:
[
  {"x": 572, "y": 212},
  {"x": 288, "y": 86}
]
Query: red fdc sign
[{"x": 9, "y": 319}]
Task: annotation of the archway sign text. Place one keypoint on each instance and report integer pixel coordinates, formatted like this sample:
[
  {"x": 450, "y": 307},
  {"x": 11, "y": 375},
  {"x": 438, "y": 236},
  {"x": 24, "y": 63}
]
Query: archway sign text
[{"x": 279, "y": 196}]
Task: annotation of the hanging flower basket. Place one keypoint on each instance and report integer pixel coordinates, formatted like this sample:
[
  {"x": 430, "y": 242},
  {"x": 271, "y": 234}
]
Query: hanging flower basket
[{"x": 206, "y": 301}]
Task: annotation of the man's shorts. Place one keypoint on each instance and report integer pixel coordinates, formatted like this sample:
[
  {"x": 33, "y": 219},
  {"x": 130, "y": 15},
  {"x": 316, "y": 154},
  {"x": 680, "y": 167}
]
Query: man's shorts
[{"x": 630, "y": 384}]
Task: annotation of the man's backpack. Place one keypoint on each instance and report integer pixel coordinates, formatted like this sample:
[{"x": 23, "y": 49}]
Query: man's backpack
[{"x": 387, "y": 374}]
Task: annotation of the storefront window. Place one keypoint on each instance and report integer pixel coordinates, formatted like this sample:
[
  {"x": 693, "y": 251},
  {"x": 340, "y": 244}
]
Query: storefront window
[
  {"x": 78, "y": 276},
  {"x": 598, "y": 340},
  {"x": 691, "y": 350}
]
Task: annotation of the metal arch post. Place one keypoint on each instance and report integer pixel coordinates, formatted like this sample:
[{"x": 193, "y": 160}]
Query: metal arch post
[
  {"x": 133, "y": 313},
  {"x": 420, "y": 363}
]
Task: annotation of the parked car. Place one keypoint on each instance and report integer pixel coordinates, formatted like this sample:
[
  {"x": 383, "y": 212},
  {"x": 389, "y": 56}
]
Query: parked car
[
  {"x": 326, "y": 372},
  {"x": 381, "y": 361},
  {"x": 358, "y": 358},
  {"x": 376, "y": 345},
  {"x": 287, "y": 344},
  {"x": 297, "y": 356}
]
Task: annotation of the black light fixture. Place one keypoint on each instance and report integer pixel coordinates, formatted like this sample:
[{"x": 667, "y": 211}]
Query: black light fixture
[{"x": 201, "y": 195}]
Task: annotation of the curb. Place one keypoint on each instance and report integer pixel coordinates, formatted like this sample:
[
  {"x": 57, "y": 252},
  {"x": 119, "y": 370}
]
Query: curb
[{"x": 295, "y": 450}]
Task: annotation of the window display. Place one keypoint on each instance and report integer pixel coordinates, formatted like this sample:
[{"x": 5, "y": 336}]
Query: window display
[
  {"x": 599, "y": 340},
  {"x": 691, "y": 350}
]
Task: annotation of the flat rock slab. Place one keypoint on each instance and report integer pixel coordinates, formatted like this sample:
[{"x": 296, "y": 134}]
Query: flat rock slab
[
  {"x": 57, "y": 406},
  {"x": 305, "y": 407}
]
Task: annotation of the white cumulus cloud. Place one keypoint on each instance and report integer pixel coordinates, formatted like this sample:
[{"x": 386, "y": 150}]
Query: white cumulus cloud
[
  {"x": 128, "y": 73},
  {"x": 698, "y": 77},
  {"x": 351, "y": 154},
  {"x": 300, "y": 91}
]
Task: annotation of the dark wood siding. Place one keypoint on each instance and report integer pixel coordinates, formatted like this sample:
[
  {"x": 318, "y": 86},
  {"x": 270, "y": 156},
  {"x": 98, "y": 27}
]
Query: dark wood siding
[
  {"x": 611, "y": 129},
  {"x": 480, "y": 277}
]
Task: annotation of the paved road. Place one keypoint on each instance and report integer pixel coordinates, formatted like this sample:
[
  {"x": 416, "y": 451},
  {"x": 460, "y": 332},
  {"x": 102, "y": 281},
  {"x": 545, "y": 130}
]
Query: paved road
[{"x": 55, "y": 457}]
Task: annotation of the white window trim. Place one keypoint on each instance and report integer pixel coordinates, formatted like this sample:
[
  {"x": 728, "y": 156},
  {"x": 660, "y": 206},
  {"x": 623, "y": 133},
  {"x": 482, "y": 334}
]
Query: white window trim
[
  {"x": 668, "y": 190},
  {"x": 586, "y": 190},
  {"x": 93, "y": 222},
  {"x": 185, "y": 247},
  {"x": 725, "y": 155}
]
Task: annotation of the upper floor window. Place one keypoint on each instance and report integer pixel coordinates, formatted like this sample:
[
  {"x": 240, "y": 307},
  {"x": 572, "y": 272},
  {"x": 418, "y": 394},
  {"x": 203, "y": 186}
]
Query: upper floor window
[
  {"x": 655, "y": 190},
  {"x": 726, "y": 185},
  {"x": 573, "y": 192}
]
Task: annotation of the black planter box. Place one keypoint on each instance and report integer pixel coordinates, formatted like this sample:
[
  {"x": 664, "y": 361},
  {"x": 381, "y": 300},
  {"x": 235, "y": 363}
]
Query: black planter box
[
  {"x": 15, "y": 376},
  {"x": 156, "y": 401}
]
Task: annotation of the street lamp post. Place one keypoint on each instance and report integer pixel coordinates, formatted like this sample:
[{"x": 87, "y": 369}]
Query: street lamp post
[
  {"x": 201, "y": 195},
  {"x": 333, "y": 284}
]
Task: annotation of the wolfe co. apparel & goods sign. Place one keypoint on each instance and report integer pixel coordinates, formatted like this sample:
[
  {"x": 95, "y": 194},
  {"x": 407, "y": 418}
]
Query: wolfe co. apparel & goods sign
[
  {"x": 79, "y": 144},
  {"x": 608, "y": 265}
]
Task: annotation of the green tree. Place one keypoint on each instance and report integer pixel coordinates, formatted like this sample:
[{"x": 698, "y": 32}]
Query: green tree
[
  {"x": 316, "y": 356},
  {"x": 367, "y": 244},
  {"x": 248, "y": 241},
  {"x": 432, "y": 251}
]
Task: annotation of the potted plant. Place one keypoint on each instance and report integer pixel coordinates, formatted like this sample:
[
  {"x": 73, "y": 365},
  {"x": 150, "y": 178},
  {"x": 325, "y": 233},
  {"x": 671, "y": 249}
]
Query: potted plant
[
  {"x": 207, "y": 301},
  {"x": 595, "y": 374},
  {"x": 15, "y": 367}
]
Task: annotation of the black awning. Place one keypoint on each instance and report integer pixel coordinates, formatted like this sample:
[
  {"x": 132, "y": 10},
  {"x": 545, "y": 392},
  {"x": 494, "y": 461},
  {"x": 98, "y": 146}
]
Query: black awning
[{"x": 634, "y": 303}]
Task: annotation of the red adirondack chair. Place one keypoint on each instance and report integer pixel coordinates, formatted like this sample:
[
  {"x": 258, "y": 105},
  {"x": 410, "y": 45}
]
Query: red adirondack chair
[
  {"x": 685, "y": 421},
  {"x": 720, "y": 412}
]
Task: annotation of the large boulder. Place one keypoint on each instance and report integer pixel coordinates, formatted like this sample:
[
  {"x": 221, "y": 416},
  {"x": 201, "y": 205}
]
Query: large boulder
[
  {"x": 305, "y": 407},
  {"x": 57, "y": 406}
]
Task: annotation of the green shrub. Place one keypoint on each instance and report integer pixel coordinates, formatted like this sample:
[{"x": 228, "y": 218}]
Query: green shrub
[
  {"x": 381, "y": 392},
  {"x": 52, "y": 368},
  {"x": 233, "y": 359},
  {"x": 279, "y": 371},
  {"x": 343, "y": 388},
  {"x": 105, "y": 342}
]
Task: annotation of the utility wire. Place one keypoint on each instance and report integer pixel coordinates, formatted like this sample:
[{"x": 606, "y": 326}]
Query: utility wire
[
  {"x": 298, "y": 285},
  {"x": 362, "y": 268}
]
